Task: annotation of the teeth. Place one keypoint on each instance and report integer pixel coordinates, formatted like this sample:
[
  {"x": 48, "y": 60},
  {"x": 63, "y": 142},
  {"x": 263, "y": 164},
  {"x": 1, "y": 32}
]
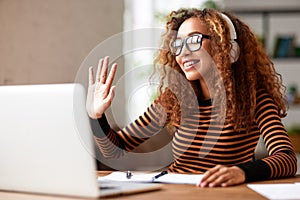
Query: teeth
[{"x": 187, "y": 64}]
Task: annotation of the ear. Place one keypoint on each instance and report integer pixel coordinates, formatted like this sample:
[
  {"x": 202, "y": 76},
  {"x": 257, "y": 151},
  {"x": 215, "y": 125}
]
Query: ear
[{"x": 234, "y": 52}]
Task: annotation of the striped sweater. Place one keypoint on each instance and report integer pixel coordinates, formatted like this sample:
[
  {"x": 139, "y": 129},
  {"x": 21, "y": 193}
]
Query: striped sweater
[{"x": 199, "y": 144}]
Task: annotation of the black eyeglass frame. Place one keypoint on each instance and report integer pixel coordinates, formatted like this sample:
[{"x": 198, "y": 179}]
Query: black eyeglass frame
[{"x": 184, "y": 42}]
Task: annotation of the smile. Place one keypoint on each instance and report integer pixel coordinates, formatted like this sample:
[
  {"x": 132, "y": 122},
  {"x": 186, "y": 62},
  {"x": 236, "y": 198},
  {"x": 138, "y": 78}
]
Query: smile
[{"x": 190, "y": 63}]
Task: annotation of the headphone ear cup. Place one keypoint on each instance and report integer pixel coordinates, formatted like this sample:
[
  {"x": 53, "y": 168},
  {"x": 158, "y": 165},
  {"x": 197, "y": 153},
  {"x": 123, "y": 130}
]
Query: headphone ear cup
[{"x": 234, "y": 52}]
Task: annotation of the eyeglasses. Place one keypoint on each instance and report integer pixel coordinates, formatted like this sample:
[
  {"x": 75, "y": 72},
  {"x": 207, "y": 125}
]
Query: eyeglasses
[{"x": 193, "y": 43}]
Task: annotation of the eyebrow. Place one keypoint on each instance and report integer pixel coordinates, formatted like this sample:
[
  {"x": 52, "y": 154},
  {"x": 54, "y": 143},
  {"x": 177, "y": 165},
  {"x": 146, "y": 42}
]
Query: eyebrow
[
  {"x": 195, "y": 32},
  {"x": 192, "y": 33}
]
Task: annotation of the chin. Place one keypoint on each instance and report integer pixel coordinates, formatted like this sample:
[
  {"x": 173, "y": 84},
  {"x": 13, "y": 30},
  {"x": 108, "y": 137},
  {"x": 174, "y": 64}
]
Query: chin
[{"x": 192, "y": 77}]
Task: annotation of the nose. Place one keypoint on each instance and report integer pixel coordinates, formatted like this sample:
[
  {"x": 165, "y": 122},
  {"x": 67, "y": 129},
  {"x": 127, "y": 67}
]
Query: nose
[{"x": 184, "y": 51}]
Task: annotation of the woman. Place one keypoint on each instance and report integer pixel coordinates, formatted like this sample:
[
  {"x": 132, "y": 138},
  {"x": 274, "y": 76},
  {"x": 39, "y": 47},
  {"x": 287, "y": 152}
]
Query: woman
[{"x": 229, "y": 96}]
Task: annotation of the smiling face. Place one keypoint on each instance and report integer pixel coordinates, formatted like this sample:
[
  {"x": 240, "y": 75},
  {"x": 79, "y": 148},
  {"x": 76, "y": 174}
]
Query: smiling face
[{"x": 193, "y": 63}]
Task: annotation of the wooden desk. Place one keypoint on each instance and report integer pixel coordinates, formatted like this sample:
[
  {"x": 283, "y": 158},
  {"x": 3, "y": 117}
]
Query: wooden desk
[{"x": 170, "y": 192}]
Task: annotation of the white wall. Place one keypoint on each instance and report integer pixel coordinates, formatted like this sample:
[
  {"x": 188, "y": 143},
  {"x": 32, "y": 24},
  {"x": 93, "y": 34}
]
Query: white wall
[
  {"x": 260, "y": 4},
  {"x": 45, "y": 41}
]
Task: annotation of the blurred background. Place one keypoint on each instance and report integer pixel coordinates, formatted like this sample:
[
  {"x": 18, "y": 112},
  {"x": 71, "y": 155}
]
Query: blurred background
[{"x": 47, "y": 41}]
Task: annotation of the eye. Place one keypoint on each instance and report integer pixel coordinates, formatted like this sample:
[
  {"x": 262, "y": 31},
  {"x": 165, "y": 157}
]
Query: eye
[
  {"x": 195, "y": 39},
  {"x": 177, "y": 43}
]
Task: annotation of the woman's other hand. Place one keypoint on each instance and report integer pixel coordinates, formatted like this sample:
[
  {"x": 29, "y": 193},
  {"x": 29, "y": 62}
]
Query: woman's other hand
[
  {"x": 222, "y": 176},
  {"x": 100, "y": 90}
]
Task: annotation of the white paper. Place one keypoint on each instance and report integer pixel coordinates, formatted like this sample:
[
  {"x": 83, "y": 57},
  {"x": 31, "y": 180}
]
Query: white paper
[
  {"x": 121, "y": 176},
  {"x": 277, "y": 191},
  {"x": 148, "y": 177},
  {"x": 180, "y": 178}
]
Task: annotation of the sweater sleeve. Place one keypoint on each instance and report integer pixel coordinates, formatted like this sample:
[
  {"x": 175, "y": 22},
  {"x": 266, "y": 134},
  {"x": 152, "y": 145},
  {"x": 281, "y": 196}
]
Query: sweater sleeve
[
  {"x": 282, "y": 161},
  {"x": 114, "y": 144}
]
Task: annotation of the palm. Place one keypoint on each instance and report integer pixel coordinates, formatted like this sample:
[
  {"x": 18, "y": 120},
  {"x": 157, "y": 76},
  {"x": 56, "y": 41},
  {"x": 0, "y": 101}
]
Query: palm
[{"x": 101, "y": 91}]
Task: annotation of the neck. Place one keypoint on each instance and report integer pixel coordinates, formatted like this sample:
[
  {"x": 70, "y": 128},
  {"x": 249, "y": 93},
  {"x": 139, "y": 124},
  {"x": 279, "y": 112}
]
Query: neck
[{"x": 204, "y": 90}]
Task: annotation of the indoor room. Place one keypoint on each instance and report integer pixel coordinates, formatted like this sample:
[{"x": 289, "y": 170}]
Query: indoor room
[{"x": 78, "y": 50}]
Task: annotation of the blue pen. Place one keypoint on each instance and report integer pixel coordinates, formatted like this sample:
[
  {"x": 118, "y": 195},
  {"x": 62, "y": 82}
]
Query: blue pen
[{"x": 159, "y": 175}]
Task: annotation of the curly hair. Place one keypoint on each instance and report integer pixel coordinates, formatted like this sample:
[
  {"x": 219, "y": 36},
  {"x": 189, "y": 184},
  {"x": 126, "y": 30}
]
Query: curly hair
[{"x": 252, "y": 71}]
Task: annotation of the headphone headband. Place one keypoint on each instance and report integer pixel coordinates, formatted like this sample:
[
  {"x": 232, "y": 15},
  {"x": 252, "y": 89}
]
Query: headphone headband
[
  {"x": 235, "y": 49},
  {"x": 231, "y": 26}
]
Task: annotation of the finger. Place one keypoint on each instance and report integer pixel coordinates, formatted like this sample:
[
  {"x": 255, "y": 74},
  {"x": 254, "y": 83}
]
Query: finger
[
  {"x": 219, "y": 180},
  {"x": 209, "y": 176},
  {"x": 229, "y": 182},
  {"x": 237, "y": 176},
  {"x": 209, "y": 172},
  {"x": 99, "y": 69},
  {"x": 221, "y": 172},
  {"x": 104, "y": 70},
  {"x": 91, "y": 76},
  {"x": 111, "y": 75},
  {"x": 111, "y": 93}
]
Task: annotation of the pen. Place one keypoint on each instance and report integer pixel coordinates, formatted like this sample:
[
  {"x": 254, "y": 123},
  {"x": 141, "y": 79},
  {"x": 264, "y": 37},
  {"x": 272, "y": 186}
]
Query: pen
[
  {"x": 128, "y": 174},
  {"x": 159, "y": 175}
]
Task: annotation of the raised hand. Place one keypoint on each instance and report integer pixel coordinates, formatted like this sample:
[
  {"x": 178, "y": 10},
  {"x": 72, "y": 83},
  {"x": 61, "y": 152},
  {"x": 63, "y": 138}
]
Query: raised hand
[{"x": 100, "y": 90}]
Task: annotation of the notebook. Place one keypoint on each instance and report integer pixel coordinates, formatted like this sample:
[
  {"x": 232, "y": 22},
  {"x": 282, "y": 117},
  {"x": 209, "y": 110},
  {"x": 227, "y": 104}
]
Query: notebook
[{"x": 47, "y": 146}]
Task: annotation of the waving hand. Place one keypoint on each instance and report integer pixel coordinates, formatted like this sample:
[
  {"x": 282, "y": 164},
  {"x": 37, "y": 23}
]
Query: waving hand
[{"x": 100, "y": 90}]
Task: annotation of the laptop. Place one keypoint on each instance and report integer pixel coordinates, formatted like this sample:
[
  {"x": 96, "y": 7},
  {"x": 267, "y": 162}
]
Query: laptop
[{"x": 47, "y": 144}]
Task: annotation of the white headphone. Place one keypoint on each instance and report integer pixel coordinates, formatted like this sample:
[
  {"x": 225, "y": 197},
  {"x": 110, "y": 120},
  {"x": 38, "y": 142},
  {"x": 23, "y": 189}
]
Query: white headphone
[{"x": 235, "y": 49}]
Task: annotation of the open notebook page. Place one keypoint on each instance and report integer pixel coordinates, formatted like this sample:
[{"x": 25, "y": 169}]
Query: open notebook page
[{"x": 148, "y": 177}]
